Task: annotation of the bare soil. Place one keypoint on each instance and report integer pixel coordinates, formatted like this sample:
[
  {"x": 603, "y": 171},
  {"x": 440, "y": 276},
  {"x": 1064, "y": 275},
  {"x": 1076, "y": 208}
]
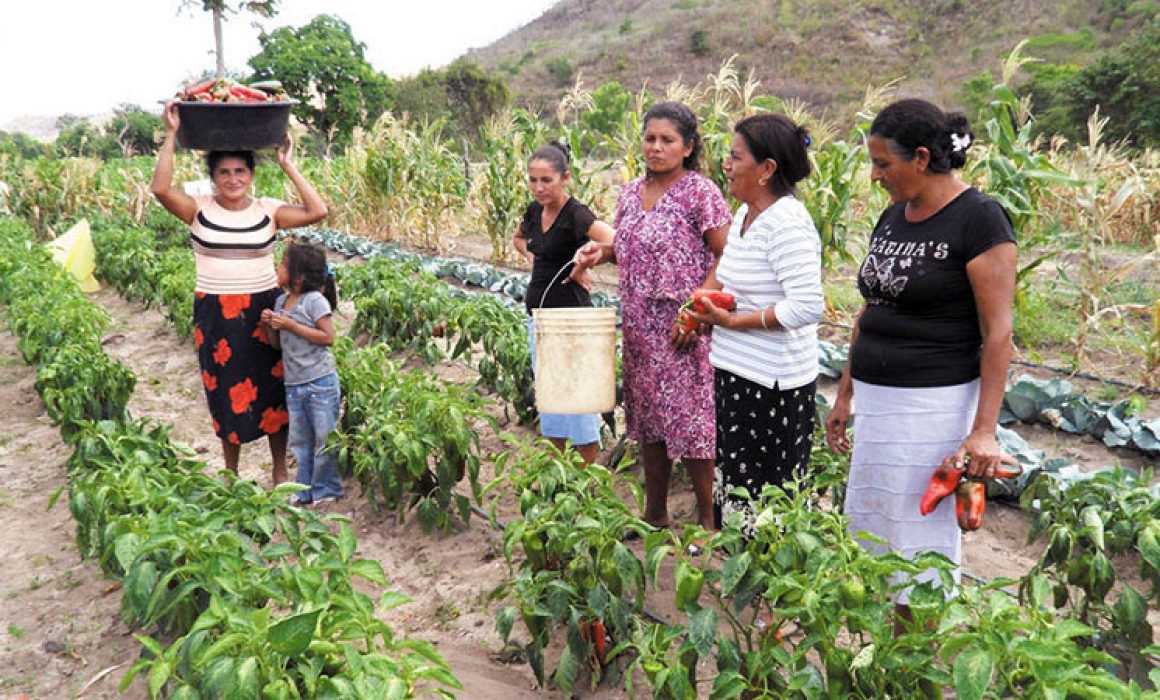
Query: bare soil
[{"x": 62, "y": 635}]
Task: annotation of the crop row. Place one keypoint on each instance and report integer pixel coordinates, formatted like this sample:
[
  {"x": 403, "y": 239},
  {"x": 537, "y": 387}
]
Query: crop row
[
  {"x": 1053, "y": 403},
  {"x": 798, "y": 609},
  {"x": 245, "y": 596}
]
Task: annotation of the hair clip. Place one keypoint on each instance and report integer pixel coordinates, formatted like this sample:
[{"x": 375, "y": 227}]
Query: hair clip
[
  {"x": 808, "y": 140},
  {"x": 960, "y": 142}
]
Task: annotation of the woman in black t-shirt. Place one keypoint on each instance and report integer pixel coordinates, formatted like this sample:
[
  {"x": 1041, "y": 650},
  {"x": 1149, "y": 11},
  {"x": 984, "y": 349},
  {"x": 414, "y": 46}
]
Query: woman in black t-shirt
[
  {"x": 931, "y": 347},
  {"x": 554, "y": 227}
]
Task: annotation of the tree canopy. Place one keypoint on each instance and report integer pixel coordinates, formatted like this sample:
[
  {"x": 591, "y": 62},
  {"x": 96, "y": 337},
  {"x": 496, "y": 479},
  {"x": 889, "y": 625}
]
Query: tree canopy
[
  {"x": 475, "y": 94},
  {"x": 463, "y": 94},
  {"x": 1124, "y": 83},
  {"x": 323, "y": 66},
  {"x": 131, "y": 132},
  {"x": 21, "y": 145}
]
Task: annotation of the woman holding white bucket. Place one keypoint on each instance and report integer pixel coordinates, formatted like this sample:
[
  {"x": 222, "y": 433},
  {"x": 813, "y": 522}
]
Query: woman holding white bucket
[
  {"x": 671, "y": 227},
  {"x": 554, "y": 227},
  {"x": 765, "y": 354}
]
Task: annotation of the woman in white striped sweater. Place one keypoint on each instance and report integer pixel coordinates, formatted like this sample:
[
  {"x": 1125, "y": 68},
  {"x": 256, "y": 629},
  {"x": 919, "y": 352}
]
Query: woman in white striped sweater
[{"x": 765, "y": 352}]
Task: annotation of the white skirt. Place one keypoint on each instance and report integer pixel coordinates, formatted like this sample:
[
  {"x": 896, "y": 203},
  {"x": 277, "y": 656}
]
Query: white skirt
[{"x": 900, "y": 436}]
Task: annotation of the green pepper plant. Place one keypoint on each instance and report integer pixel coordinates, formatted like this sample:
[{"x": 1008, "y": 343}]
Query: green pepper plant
[
  {"x": 409, "y": 437},
  {"x": 575, "y": 573},
  {"x": 1088, "y": 524}
]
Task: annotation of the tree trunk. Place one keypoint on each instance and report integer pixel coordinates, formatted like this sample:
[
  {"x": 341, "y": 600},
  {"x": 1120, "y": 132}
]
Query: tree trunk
[{"x": 217, "y": 40}]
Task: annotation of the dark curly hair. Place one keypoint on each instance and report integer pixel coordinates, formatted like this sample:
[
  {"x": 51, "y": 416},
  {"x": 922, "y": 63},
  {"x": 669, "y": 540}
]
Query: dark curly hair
[
  {"x": 214, "y": 157},
  {"x": 686, "y": 122},
  {"x": 307, "y": 262},
  {"x": 774, "y": 137},
  {"x": 912, "y": 124}
]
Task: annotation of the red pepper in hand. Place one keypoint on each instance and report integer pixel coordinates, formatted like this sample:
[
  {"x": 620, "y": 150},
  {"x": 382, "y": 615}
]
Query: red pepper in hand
[
  {"x": 722, "y": 300},
  {"x": 970, "y": 503},
  {"x": 942, "y": 483},
  {"x": 686, "y": 322},
  {"x": 718, "y": 298},
  {"x": 1009, "y": 468}
]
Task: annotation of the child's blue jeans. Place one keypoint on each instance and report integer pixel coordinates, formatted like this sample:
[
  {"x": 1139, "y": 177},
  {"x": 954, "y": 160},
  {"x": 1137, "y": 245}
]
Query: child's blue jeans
[{"x": 313, "y": 409}]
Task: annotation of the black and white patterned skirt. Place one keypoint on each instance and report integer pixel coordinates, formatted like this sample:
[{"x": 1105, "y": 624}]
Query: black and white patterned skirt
[{"x": 763, "y": 437}]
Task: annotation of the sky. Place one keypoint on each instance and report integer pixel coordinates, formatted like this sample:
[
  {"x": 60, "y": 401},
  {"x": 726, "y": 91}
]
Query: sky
[{"x": 86, "y": 57}]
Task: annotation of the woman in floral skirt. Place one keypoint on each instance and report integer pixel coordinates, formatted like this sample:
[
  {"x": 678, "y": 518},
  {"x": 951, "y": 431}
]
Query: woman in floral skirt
[{"x": 233, "y": 236}]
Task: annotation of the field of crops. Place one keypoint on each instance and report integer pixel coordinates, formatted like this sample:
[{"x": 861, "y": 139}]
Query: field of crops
[
  {"x": 471, "y": 562},
  {"x": 582, "y": 607}
]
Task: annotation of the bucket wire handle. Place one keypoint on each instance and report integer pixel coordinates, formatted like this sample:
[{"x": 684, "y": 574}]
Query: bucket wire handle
[{"x": 554, "y": 278}]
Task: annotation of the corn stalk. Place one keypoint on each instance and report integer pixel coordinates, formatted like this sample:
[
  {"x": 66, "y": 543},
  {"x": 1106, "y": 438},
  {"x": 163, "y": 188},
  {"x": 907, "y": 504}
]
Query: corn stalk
[
  {"x": 502, "y": 192},
  {"x": 415, "y": 179},
  {"x": 1095, "y": 203}
]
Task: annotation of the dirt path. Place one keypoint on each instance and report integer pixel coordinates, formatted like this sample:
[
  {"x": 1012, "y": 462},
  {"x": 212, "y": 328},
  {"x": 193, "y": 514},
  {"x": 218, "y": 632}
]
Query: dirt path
[
  {"x": 62, "y": 625},
  {"x": 61, "y": 618}
]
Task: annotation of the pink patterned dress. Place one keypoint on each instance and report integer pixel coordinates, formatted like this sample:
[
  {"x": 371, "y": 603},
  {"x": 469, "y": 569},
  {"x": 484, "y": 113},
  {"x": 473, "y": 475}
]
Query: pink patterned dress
[{"x": 663, "y": 256}]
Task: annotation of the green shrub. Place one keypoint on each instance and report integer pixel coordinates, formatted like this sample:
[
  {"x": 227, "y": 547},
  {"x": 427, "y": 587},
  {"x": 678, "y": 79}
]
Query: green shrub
[
  {"x": 699, "y": 42},
  {"x": 561, "y": 70}
]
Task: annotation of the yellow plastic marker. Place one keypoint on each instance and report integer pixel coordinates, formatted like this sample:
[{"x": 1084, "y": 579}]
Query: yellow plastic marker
[{"x": 74, "y": 252}]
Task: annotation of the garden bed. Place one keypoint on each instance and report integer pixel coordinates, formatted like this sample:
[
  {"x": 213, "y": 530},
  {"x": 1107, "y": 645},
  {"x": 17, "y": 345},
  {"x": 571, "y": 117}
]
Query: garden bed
[{"x": 56, "y": 647}]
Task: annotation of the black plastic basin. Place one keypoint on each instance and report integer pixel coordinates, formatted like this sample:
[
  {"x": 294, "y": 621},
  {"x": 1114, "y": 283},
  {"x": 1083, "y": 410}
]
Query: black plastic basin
[{"x": 232, "y": 126}]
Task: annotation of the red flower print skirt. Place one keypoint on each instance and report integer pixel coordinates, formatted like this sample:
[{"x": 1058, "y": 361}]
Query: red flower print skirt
[{"x": 240, "y": 371}]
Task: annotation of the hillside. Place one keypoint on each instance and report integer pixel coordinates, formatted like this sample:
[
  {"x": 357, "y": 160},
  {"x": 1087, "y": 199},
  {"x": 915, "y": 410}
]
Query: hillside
[
  {"x": 44, "y": 127},
  {"x": 824, "y": 52}
]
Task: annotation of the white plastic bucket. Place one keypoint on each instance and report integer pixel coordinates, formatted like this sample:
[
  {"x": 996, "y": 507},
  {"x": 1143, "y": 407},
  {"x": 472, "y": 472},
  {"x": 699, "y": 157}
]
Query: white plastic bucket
[{"x": 575, "y": 360}]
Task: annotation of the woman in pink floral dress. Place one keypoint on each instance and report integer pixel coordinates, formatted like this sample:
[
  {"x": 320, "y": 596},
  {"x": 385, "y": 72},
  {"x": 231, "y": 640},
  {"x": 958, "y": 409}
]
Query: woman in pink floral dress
[{"x": 671, "y": 227}]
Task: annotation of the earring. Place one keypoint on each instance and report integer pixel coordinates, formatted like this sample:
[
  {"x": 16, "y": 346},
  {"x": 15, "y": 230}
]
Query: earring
[{"x": 762, "y": 182}]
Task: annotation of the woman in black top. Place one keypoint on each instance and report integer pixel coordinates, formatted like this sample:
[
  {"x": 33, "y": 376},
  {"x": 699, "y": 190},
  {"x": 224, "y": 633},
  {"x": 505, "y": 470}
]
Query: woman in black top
[
  {"x": 931, "y": 347},
  {"x": 553, "y": 229}
]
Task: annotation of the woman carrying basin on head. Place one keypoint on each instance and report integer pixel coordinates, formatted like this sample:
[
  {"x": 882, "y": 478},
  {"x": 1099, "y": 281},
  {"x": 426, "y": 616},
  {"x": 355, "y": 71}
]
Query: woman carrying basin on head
[{"x": 233, "y": 235}]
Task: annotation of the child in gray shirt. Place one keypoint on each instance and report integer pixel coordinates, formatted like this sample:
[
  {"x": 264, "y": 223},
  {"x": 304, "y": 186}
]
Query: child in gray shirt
[{"x": 301, "y": 324}]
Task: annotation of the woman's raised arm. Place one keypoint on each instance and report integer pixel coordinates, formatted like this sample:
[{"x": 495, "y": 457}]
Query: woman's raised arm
[
  {"x": 174, "y": 199},
  {"x": 312, "y": 209}
]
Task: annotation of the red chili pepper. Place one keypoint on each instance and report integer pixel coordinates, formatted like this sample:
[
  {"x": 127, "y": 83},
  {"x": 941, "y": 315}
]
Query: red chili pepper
[
  {"x": 599, "y": 642},
  {"x": 1008, "y": 470},
  {"x": 722, "y": 300},
  {"x": 248, "y": 93},
  {"x": 199, "y": 88},
  {"x": 942, "y": 483},
  {"x": 970, "y": 503},
  {"x": 687, "y": 323}
]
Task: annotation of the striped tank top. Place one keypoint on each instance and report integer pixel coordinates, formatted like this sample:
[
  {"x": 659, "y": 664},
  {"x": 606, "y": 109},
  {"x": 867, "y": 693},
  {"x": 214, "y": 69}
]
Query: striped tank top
[{"x": 234, "y": 250}]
